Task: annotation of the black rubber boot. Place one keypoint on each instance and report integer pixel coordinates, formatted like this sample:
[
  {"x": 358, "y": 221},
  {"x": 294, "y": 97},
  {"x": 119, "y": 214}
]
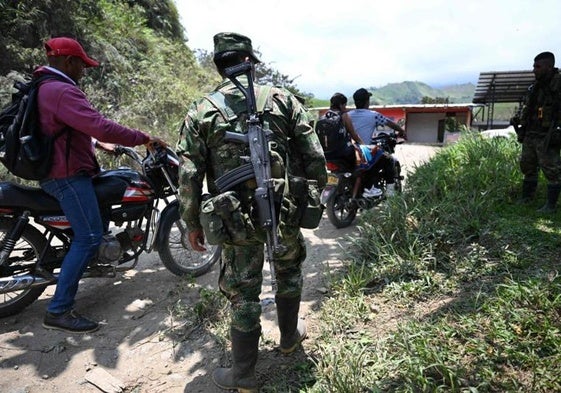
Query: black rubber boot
[
  {"x": 528, "y": 191},
  {"x": 292, "y": 329},
  {"x": 552, "y": 197},
  {"x": 241, "y": 376}
]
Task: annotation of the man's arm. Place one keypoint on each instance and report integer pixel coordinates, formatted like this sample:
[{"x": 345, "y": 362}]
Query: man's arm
[
  {"x": 396, "y": 127},
  {"x": 191, "y": 148}
]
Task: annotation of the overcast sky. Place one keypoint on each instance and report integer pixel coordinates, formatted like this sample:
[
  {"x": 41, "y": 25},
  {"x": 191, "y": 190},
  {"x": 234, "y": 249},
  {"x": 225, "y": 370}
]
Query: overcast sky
[{"x": 369, "y": 43}]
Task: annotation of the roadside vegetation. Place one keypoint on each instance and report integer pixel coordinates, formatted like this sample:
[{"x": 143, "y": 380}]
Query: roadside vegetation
[{"x": 452, "y": 287}]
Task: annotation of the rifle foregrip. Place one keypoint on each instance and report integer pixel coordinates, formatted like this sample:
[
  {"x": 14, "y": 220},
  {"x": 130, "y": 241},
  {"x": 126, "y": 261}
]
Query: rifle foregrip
[{"x": 264, "y": 207}]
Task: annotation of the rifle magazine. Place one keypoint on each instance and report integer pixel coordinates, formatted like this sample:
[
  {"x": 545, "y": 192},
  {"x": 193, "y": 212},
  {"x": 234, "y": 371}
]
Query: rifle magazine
[{"x": 234, "y": 177}]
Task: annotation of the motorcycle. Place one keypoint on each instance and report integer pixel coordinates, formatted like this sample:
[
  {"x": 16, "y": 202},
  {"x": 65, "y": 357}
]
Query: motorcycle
[
  {"x": 342, "y": 196},
  {"x": 144, "y": 216}
]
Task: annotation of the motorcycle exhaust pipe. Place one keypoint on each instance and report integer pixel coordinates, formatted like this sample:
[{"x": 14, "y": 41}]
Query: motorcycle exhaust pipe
[{"x": 21, "y": 283}]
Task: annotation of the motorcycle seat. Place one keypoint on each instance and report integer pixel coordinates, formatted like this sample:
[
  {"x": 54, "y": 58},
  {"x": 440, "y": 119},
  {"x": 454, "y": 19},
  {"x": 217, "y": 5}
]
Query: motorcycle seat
[
  {"x": 19, "y": 196},
  {"x": 109, "y": 190}
]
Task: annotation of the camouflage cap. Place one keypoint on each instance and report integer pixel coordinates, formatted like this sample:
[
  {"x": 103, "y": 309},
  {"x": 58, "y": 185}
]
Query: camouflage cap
[{"x": 226, "y": 42}]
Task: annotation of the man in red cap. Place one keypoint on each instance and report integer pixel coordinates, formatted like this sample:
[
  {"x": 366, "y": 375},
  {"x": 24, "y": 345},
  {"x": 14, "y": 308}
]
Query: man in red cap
[{"x": 63, "y": 108}]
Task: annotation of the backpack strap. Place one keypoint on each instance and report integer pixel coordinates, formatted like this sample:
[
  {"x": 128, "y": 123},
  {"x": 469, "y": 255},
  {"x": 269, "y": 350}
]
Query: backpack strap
[
  {"x": 264, "y": 100},
  {"x": 65, "y": 129},
  {"x": 218, "y": 100}
]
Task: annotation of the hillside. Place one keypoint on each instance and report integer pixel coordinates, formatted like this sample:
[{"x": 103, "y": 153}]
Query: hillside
[
  {"x": 140, "y": 44},
  {"x": 409, "y": 92}
]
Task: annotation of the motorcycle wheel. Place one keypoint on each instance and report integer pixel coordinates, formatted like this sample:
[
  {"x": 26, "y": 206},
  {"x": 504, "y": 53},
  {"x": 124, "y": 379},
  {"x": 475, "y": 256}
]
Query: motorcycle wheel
[
  {"x": 340, "y": 212},
  {"x": 176, "y": 252},
  {"x": 24, "y": 256},
  {"x": 398, "y": 177}
]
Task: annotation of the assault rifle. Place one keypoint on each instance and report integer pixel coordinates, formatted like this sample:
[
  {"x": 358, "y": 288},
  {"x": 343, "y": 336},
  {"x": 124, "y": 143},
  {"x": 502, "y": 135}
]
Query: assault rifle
[
  {"x": 259, "y": 165},
  {"x": 515, "y": 121}
]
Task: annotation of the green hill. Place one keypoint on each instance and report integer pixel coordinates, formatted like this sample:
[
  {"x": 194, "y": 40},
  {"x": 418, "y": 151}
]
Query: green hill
[
  {"x": 148, "y": 75},
  {"x": 409, "y": 92}
]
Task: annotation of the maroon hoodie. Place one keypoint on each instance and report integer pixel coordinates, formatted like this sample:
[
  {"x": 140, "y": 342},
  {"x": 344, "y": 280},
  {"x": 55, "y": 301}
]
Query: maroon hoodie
[{"x": 63, "y": 105}]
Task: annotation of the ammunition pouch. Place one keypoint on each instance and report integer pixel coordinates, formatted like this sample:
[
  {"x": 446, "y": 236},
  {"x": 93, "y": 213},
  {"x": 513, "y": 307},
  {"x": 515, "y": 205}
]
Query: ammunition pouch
[
  {"x": 305, "y": 195},
  {"x": 223, "y": 219}
]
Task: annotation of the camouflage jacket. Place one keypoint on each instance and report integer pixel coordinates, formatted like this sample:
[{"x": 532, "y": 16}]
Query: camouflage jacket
[
  {"x": 541, "y": 107},
  {"x": 205, "y": 152}
]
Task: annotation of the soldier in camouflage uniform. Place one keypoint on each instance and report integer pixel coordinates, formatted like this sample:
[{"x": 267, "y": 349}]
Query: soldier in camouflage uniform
[
  {"x": 540, "y": 133},
  {"x": 206, "y": 153}
]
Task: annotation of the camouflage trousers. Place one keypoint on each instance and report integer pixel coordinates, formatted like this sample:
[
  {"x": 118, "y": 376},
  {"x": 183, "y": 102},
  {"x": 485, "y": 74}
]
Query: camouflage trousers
[
  {"x": 241, "y": 274},
  {"x": 536, "y": 156}
]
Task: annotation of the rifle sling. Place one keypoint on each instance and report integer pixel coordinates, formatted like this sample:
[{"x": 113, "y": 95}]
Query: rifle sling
[{"x": 218, "y": 100}]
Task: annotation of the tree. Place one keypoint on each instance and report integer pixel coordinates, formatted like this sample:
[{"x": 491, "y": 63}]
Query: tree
[{"x": 436, "y": 100}]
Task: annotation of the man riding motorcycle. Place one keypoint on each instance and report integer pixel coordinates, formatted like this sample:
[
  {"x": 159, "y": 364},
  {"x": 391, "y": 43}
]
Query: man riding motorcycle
[{"x": 366, "y": 123}]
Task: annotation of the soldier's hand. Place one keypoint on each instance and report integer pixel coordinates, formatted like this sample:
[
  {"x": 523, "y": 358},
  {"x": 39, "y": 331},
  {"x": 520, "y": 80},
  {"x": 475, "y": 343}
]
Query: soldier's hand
[{"x": 197, "y": 240}]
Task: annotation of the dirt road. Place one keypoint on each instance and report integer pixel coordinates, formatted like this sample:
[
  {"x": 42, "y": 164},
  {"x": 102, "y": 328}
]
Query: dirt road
[{"x": 138, "y": 348}]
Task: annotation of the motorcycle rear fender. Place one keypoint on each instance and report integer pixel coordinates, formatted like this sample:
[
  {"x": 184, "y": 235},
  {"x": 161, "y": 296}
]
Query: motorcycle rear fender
[{"x": 326, "y": 193}]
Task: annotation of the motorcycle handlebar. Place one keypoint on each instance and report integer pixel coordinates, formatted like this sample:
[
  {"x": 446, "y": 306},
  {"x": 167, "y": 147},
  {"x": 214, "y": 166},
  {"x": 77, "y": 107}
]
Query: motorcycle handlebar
[
  {"x": 153, "y": 147},
  {"x": 128, "y": 151}
]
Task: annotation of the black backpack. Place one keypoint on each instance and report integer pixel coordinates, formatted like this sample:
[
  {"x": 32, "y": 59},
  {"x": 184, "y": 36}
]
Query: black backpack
[
  {"x": 24, "y": 150},
  {"x": 332, "y": 134}
]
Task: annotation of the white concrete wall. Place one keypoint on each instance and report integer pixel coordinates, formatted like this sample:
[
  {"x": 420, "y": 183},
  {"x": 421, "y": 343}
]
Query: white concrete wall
[{"x": 423, "y": 127}]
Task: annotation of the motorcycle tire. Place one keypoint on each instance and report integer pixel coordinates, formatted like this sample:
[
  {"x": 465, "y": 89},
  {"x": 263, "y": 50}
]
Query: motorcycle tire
[
  {"x": 340, "y": 211},
  {"x": 24, "y": 255},
  {"x": 176, "y": 252},
  {"x": 398, "y": 177}
]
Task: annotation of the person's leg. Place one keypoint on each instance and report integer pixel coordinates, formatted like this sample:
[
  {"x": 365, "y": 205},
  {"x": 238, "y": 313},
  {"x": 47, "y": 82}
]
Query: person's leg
[
  {"x": 79, "y": 204},
  {"x": 550, "y": 162},
  {"x": 240, "y": 281},
  {"x": 288, "y": 268},
  {"x": 389, "y": 175},
  {"x": 369, "y": 177},
  {"x": 529, "y": 167},
  {"x": 389, "y": 169}
]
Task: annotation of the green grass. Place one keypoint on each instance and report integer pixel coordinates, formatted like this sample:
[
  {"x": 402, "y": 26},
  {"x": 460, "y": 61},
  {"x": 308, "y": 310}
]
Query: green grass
[{"x": 470, "y": 276}]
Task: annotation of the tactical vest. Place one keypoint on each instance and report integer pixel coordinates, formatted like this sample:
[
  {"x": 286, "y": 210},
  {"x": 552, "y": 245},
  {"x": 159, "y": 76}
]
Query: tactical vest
[
  {"x": 543, "y": 106},
  {"x": 264, "y": 104}
]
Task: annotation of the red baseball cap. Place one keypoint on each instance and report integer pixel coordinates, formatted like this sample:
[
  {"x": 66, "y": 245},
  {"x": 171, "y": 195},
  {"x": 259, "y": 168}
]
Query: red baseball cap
[{"x": 64, "y": 46}]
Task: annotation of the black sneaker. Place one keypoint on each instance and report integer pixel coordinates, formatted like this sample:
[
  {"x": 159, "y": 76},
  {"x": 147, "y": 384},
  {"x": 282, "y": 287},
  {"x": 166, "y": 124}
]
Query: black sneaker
[{"x": 70, "y": 322}]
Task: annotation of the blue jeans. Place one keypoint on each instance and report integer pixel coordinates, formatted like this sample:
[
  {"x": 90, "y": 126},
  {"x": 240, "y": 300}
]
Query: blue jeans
[{"x": 78, "y": 201}]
